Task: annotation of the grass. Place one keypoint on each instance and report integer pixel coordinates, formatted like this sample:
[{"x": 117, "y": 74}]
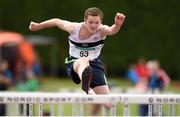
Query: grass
[{"x": 51, "y": 84}]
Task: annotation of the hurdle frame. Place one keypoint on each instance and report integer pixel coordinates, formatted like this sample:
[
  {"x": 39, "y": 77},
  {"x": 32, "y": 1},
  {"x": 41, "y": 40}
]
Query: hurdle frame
[{"x": 41, "y": 98}]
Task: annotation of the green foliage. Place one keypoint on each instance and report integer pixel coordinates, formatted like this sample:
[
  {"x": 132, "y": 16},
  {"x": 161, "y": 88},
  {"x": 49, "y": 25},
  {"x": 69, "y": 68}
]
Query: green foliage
[{"x": 151, "y": 28}]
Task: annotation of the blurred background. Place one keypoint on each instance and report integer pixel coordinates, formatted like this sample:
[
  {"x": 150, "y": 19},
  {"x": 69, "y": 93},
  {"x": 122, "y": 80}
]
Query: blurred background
[
  {"x": 150, "y": 30},
  {"x": 150, "y": 33}
]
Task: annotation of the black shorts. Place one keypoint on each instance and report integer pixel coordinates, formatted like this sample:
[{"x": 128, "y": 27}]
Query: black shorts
[{"x": 98, "y": 76}]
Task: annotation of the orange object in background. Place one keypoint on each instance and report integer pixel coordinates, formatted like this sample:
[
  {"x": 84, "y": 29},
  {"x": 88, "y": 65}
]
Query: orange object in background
[
  {"x": 24, "y": 50},
  {"x": 10, "y": 37},
  {"x": 27, "y": 54}
]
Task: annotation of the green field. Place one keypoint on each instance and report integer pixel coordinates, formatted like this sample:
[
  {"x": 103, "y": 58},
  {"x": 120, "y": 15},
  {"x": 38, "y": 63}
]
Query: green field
[
  {"x": 51, "y": 84},
  {"x": 54, "y": 84}
]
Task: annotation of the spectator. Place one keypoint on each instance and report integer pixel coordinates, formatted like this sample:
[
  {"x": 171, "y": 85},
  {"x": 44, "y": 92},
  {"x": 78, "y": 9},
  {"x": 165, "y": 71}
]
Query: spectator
[
  {"x": 157, "y": 81},
  {"x": 142, "y": 70},
  {"x": 5, "y": 82},
  {"x": 158, "y": 78},
  {"x": 132, "y": 74},
  {"x": 37, "y": 68}
]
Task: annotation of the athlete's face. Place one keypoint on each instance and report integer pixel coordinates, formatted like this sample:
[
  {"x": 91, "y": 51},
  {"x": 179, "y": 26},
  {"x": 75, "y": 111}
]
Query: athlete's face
[{"x": 92, "y": 23}]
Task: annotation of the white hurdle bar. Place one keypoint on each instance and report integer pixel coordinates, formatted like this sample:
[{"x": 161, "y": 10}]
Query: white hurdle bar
[{"x": 41, "y": 98}]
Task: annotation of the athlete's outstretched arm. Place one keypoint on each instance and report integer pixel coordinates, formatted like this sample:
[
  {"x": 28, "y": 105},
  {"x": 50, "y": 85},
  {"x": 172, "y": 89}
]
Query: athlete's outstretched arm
[
  {"x": 118, "y": 21},
  {"x": 55, "y": 22}
]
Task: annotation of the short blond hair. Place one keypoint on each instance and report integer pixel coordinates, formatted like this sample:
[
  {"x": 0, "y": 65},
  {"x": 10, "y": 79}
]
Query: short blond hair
[{"x": 93, "y": 11}]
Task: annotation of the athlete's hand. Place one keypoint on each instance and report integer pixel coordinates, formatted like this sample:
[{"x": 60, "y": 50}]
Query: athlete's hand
[
  {"x": 119, "y": 19},
  {"x": 34, "y": 26}
]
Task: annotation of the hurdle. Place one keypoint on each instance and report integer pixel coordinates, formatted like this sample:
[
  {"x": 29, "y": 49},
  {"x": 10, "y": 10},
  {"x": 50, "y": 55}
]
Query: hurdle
[{"x": 41, "y": 98}]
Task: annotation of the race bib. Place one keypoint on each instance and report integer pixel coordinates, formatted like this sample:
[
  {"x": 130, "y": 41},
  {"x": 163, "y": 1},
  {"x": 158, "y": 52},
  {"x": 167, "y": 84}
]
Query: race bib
[{"x": 84, "y": 52}]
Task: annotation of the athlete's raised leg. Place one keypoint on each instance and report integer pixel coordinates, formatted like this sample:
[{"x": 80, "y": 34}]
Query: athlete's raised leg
[{"x": 83, "y": 69}]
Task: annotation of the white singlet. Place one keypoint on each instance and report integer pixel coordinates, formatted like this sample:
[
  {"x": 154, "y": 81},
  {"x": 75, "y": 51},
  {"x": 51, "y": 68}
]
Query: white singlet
[{"x": 84, "y": 50}]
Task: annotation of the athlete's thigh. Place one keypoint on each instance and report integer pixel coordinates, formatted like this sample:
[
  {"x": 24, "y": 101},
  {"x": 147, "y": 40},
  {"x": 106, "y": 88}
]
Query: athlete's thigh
[{"x": 80, "y": 64}]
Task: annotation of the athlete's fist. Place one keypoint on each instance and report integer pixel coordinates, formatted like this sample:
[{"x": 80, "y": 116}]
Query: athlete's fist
[
  {"x": 34, "y": 26},
  {"x": 119, "y": 19}
]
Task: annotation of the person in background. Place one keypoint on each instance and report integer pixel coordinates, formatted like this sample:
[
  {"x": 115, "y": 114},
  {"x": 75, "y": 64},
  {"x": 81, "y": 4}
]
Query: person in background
[
  {"x": 132, "y": 74},
  {"x": 139, "y": 75},
  {"x": 5, "y": 82},
  {"x": 143, "y": 76},
  {"x": 37, "y": 69},
  {"x": 158, "y": 78},
  {"x": 142, "y": 70}
]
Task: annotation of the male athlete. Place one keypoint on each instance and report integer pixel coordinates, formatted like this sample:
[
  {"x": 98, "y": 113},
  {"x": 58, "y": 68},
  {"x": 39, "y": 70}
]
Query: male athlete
[{"x": 86, "y": 40}]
